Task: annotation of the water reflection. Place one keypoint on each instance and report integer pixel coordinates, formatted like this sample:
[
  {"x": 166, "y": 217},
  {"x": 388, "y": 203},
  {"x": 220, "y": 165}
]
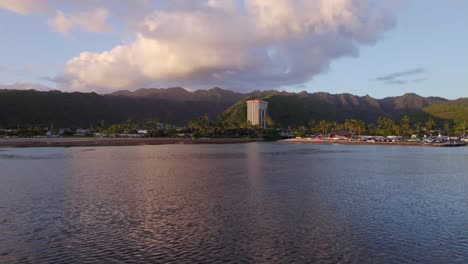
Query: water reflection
[{"x": 260, "y": 202}]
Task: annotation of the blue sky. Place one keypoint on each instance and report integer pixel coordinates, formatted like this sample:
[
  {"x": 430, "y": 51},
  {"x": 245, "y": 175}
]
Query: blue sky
[
  {"x": 429, "y": 34},
  {"x": 421, "y": 47}
]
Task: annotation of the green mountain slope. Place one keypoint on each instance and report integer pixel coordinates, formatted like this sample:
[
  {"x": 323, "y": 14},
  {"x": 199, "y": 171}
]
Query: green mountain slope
[
  {"x": 300, "y": 109},
  {"x": 178, "y": 106},
  {"x": 34, "y": 108},
  {"x": 456, "y": 110}
]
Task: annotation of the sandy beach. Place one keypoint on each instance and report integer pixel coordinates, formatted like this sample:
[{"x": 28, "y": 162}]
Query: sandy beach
[{"x": 87, "y": 142}]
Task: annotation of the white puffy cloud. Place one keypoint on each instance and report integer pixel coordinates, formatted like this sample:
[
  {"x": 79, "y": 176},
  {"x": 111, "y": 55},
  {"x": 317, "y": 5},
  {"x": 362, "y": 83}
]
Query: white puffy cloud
[
  {"x": 91, "y": 21},
  {"x": 243, "y": 45},
  {"x": 237, "y": 44}
]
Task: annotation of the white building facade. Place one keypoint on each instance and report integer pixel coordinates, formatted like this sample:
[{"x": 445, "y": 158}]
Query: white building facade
[{"x": 257, "y": 112}]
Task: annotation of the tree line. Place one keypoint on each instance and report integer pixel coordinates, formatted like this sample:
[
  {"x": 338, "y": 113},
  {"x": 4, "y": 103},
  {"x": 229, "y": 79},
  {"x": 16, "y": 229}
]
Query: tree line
[
  {"x": 383, "y": 126},
  {"x": 206, "y": 127}
]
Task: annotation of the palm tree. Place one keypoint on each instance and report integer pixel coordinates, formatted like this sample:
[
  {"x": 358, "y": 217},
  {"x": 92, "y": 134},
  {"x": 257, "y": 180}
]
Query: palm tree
[
  {"x": 102, "y": 125},
  {"x": 151, "y": 123},
  {"x": 204, "y": 121},
  {"x": 418, "y": 126},
  {"x": 371, "y": 128},
  {"x": 335, "y": 126},
  {"x": 349, "y": 124},
  {"x": 269, "y": 122},
  {"x": 130, "y": 126},
  {"x": 360, "y": 126},
  {"x": 323, "y": 126},
  {"x": 386, "y": 125},
  {"x": 405, "y": 125},
  {"x": 301, "y": 131}
]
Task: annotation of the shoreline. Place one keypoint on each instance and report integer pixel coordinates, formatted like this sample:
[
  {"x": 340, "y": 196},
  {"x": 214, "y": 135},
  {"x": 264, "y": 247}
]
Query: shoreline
[
  {"x": 343, "y": 142},
  {"x": 107, "y": 142}
]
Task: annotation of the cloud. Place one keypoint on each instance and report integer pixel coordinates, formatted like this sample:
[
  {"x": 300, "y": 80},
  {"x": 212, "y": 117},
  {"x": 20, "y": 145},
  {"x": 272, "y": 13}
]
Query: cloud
[
  {"x": 60, "y": 23},
  {"x": 235, "y": 44},
  {"x": 24, "y": 7},
  {"x": 90, "y": 21},
  {"x": 87, "y": 15},
  {"x": 24, "y": 86},
  {"x": 397, "y": 75},
  {"x": 4, "y": 68},
  {"x": 401, "y": 77}
]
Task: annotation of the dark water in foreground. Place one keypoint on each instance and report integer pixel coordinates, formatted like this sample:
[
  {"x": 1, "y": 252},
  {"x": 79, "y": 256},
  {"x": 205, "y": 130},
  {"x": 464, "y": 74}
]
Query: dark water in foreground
[{"x": 258, "y": 202}]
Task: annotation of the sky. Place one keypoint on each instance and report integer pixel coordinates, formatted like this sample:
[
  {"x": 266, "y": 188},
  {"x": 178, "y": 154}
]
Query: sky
[{"x": 365, "y": 47}]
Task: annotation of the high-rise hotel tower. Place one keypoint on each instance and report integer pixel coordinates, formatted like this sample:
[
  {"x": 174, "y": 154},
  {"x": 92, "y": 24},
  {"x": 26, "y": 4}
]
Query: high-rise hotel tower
[{"x": 257, "y": 112}]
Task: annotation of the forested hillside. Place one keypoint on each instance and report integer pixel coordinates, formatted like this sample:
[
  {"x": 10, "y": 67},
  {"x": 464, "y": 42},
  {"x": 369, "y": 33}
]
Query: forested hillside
[{"x": 178, "y": 106}]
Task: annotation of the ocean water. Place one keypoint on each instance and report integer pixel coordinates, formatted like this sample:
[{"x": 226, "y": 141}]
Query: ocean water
[{"x": 236, "y": 203}]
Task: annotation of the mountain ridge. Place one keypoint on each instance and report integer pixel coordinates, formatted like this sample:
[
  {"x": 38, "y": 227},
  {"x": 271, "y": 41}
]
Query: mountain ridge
[{"x": 177, "y": 105}]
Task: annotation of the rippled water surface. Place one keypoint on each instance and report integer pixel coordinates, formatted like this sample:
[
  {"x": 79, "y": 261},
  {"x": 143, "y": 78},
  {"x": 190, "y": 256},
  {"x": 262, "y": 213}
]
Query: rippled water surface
[{"x": 257, "y": 202}]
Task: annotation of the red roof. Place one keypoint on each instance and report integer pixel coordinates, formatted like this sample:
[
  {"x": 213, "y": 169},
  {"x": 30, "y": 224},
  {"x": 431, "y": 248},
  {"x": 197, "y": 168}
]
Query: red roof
[{"x": 255, "y": 100}]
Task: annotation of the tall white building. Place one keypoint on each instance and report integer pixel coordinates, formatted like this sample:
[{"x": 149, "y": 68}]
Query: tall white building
[{"x": 257, "y": 112}]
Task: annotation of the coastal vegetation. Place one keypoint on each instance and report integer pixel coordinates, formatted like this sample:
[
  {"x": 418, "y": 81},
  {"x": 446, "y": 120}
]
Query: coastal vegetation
[{"x": 382, "y": 127}]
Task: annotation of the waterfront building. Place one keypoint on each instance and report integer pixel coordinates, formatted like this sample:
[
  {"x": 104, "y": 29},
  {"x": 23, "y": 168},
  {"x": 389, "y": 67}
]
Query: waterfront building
[{"x": 257, "y": 112}]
